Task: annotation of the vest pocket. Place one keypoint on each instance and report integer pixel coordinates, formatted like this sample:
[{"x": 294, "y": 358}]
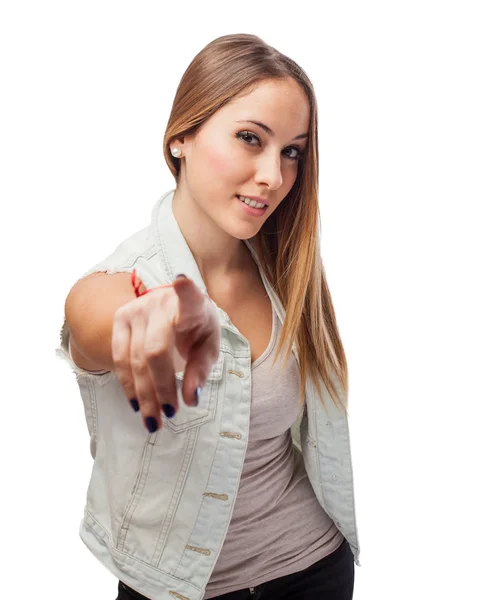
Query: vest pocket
[{"x": 194, "y": 416}]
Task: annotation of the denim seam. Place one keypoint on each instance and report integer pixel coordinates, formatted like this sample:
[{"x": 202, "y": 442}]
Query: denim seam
[
  {"x": 174, "y": 503},
  {"x": 190, "y": 536},
  {"x": 93, "y": 408},
  {"x": 136, "y": 492}
]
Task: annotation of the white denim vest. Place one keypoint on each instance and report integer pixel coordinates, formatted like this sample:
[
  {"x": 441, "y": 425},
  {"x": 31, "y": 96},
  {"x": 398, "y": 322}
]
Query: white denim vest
[{"x": 158, "y": 505}]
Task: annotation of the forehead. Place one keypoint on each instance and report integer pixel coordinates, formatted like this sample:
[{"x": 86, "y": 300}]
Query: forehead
[{"x": 280, "y": 104}]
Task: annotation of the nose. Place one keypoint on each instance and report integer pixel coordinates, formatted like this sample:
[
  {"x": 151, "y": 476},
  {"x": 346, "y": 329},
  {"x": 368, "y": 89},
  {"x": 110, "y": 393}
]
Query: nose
[{"x": 269, "y": 171}]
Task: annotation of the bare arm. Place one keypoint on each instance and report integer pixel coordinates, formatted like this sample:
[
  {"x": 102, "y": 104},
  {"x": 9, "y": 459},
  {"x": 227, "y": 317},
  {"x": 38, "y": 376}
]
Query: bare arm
[{"x": 89, "y": 310}]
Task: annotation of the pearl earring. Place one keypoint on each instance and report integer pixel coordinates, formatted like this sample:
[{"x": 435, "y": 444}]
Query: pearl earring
[{"x": 175, "y": 152}]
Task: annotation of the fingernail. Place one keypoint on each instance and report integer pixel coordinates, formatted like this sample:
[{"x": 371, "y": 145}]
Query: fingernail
[
  {"x": 181, "y": 275},
  {"x": 169, "y": 410},
  {"x": 197, "y": 394},
  {"x": 135, "y": 404},
  {"x": 151, "y": 423}
]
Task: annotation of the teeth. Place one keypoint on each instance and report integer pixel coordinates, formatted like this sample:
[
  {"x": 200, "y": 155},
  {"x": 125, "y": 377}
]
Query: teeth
[{"x": 252, "y": 203}]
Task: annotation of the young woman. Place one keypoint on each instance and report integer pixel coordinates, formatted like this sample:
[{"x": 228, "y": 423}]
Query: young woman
[{"x": 219, "y": 473}]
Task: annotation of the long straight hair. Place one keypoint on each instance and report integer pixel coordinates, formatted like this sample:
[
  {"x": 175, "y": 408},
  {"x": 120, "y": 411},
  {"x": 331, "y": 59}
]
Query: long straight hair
[{"x": 288, "y": 244}]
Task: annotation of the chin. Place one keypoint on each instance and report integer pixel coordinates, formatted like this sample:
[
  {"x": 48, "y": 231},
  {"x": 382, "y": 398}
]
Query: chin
[{"x": 242, "y": 233}]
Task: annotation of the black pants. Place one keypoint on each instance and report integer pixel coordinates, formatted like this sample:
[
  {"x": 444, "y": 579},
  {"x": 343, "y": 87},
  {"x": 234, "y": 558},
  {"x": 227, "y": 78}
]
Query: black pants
[{"x": 331, "y": 578}]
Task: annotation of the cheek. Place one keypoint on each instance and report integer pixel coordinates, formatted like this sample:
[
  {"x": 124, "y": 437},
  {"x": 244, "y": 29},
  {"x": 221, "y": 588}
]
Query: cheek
[
  {"x": 290, "y": 177},
  {"x": 221, "y": 163}
]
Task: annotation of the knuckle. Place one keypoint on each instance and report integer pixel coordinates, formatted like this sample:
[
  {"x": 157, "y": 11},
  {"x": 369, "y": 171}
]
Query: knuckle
[
  {"x": 139, "y": 366},
  {"x": 121, "y": 313},
  {"x": 140, "y": 307},
  {"x": 157, "y": 352}
]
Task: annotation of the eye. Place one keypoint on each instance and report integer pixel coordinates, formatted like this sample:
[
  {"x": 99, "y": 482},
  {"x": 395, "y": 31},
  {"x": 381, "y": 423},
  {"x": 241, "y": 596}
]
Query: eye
[
  {"x": 248, "y": 134},
  {"x": 299, "y": 152}
]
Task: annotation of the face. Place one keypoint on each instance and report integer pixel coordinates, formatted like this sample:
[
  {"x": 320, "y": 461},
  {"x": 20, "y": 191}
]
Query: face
[{"x": 230, "y": 156}]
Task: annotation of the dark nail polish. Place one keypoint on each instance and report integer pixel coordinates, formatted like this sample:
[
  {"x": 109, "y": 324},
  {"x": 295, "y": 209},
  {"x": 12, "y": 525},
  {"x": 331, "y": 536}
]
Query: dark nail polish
[
  {"x": 197, "y": 394},
  {"x": 151, "y": 423},
  {"x": 169, "y": 410},
  {"x": 135, "y": 404},
  {"x": 181, "y": 275}
]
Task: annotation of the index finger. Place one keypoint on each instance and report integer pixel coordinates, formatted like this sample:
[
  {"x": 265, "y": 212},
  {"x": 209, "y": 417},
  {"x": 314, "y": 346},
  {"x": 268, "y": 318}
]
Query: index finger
[{"x": 190, "y": 306}]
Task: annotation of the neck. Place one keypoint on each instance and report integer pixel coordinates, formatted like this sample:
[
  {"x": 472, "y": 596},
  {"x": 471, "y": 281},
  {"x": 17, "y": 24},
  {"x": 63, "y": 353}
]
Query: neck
[{"x": 217, "y": 254}]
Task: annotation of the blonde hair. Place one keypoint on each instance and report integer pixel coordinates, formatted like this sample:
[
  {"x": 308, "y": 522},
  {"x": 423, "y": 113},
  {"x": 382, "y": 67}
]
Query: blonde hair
[{"x": 288, "y": 244}]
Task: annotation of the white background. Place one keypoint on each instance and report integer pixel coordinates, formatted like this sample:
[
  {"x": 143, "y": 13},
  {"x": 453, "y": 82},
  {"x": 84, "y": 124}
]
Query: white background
[{"x": 404, "y": 96}]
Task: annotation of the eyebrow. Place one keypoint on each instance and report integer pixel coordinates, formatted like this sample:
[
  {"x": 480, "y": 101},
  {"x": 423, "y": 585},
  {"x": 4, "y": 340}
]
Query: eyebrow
[{"x": 268, "y": 129}]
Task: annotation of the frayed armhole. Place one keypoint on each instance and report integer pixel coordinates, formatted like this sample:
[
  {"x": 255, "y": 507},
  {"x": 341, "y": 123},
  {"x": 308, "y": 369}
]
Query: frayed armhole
[{"x": 63, "y": 352}]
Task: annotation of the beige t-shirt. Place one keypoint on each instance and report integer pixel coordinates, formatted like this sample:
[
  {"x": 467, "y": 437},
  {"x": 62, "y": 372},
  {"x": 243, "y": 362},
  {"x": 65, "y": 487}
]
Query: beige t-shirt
[{"x": 278, "y": 526}]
